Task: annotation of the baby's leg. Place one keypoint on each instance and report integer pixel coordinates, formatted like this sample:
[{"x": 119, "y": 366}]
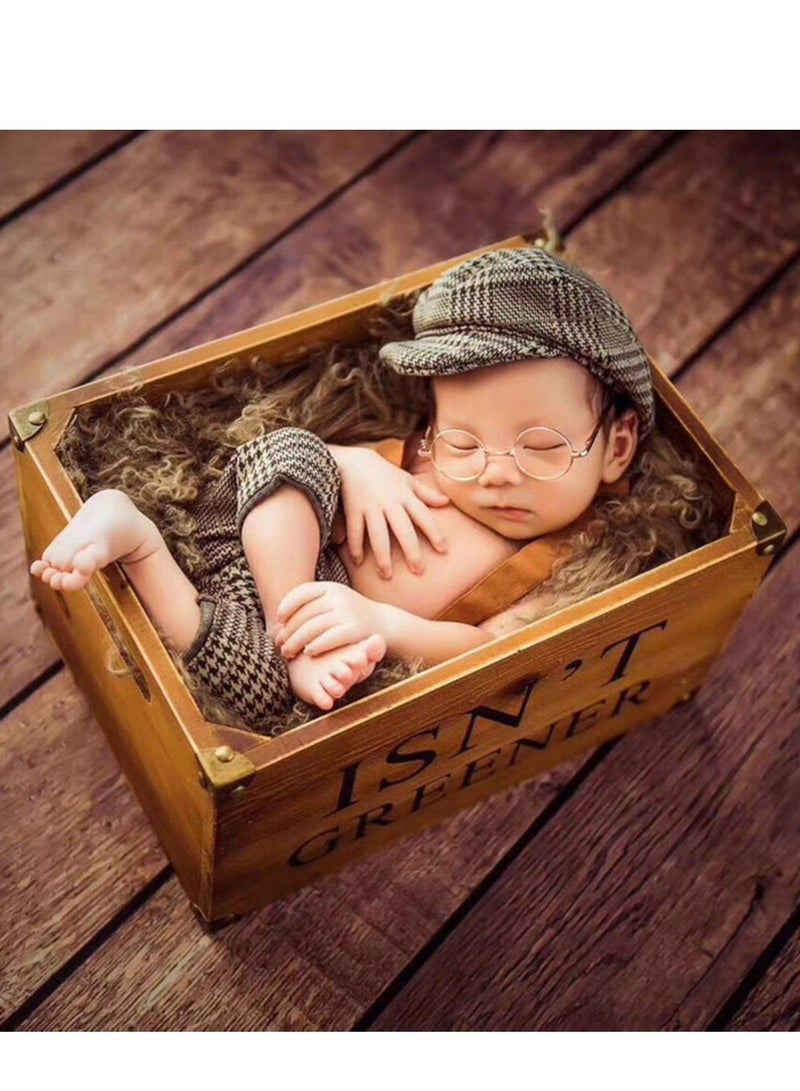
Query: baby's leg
[
  {"x": 281, "y": 537},
  {"x": 109, "y": 527},
  {"x": 287, "y": 485}
]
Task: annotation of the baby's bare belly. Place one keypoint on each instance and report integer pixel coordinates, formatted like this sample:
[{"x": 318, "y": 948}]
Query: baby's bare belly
[{"x": 473, "y": 550}]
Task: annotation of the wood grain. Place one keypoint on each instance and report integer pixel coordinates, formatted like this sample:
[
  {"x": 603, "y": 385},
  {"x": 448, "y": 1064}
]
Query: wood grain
[
  {"x": 775, "y": 1002},
  {"x": 748, "y": 384},
  {"x": 34, "y": 160},
  {"x": 315, "y": 960},
  {"x": 477, "y": 187},
  {"x": 145, "y": 232}
]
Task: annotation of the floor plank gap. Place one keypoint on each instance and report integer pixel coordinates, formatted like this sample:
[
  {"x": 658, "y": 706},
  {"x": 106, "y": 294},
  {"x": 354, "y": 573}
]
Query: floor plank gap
[
  {"x": 70, "y": 176},
  {"x": 491, "y": 877},
  {"x": 754, "y": 975},
  {"x": 98, "y": 939}
]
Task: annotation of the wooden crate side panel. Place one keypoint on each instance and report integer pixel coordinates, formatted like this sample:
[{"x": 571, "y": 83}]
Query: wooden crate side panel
[
  {"x": 243, "y": 882},
  {"x": 137, "y": 721},
  {"x": 583, "y": 684}
]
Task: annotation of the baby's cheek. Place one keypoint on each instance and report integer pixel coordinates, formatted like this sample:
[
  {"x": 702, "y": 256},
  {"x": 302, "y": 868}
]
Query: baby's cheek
[{"x": 574, "y": 496}]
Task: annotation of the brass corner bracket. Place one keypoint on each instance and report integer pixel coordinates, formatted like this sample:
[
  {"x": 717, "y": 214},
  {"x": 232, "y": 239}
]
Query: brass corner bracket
[
  {"x": 26, "y": 420},
  {"x": 768, "y": 528},
  {"x": 210, "y": 926},
  {"x": 224, "y": 770}
]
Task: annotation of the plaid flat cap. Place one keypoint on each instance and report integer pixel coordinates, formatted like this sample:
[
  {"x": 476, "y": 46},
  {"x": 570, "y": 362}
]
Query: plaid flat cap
[{"x": 518, "y": 302}]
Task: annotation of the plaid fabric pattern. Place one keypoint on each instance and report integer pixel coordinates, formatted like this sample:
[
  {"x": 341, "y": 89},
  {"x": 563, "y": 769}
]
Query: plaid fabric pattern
[
  {"x": 518, "y": 302},
  {"x": 231, "y": 656}
]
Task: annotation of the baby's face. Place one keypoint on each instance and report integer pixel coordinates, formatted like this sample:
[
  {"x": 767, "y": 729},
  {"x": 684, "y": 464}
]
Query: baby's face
[{"x": 496, "y": 404}]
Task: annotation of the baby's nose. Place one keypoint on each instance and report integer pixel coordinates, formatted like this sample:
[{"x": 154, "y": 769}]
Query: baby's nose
[{"x": 501, "y": 469}]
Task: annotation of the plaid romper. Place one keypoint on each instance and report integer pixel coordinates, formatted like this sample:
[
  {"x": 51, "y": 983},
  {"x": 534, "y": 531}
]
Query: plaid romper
[{"x": 231, "y": 655}]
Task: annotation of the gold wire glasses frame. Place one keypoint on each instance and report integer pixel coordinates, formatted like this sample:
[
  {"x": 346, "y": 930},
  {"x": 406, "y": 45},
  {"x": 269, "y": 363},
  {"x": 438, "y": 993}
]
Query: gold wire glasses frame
[{"x": 426, "y": 444}]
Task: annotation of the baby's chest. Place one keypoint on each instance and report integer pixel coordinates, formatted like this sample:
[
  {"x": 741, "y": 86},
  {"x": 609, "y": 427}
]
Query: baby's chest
[{"x": 473, "y": 550}]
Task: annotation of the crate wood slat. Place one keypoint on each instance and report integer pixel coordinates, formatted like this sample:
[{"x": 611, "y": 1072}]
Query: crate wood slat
[
  {"x": 26, "y": 649},
  {"x": 680, "y": 852},
  {"x": 774, "y": 1003},
  {"x": 31, "y": 161},
  {"x": 146, "y": 231}
]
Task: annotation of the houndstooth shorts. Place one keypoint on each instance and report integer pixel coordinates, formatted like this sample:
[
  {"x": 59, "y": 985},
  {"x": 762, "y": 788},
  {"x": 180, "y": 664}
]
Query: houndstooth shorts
[{"x": 231, "y": 656}]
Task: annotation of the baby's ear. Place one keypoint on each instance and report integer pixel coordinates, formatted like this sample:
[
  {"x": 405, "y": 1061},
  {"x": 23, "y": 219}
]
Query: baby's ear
[{"x": 622, "y": 443}]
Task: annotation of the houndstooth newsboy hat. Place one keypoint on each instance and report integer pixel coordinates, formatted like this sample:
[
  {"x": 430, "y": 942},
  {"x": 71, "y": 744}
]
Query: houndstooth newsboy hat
[{"x": 512, "y": 303}]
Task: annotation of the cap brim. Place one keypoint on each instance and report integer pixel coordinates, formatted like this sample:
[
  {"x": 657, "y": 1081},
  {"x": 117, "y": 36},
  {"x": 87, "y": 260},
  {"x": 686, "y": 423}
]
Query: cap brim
[{"x": 452, "y": 353}]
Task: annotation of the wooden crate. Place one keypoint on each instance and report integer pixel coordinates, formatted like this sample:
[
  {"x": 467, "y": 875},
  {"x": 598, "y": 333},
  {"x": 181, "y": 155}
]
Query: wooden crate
[{"x": 246, "y": 819}]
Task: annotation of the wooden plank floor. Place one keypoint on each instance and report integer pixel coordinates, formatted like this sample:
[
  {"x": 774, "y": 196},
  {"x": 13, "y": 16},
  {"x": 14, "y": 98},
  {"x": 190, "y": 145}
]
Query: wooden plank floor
[{"x": 653, "y": 883}]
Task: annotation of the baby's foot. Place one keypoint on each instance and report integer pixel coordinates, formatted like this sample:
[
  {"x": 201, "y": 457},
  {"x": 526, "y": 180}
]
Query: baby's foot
[
  {"x": 321, "y": 679},
  {"x": 108, "y": 527}
]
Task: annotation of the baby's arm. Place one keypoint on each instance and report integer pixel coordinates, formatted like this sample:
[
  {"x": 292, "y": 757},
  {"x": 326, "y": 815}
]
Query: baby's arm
[{"x": 435, "y": 642}]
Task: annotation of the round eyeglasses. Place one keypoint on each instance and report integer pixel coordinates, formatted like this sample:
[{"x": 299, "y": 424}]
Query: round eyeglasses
[{"x": 542, "y": 453}]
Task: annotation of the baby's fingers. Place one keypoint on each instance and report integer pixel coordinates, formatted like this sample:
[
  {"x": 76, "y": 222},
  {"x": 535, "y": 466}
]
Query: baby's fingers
[
  {"x": 406, "y": 535},
  {"x": 431, "y": 494},
  {"x": 379, "y": 540},
  {"x": 427, "y": 524},
  {"x": 355, "y": 534}
]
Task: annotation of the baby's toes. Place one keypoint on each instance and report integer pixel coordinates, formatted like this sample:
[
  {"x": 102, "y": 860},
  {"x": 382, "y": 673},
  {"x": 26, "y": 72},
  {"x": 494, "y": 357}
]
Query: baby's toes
[
  {"x": 344, "y": 673},
  {"x": 47, "y": 574},
  {"x": 355, "y": 657},
  {"x": 72, "y": 581},
  {"x": 321, "y": 697},
  {"x": 59, "y": 553},
  {"x": 56, "y": 580},
  {"x": 333, "y": 686},
  {"x": 90, "y": 558},
  {"x": 375, "y": 647}
]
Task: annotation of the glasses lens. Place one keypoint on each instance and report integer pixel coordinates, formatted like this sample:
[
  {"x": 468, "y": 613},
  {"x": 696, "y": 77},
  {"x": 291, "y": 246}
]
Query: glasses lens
[
  {"x": 543, "y": 453},
  {"x": 458, "y": 454}
]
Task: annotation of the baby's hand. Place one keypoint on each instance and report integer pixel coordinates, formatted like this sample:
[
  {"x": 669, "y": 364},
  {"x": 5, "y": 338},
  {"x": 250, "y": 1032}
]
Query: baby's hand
[
  {"x": 379, "y": 495},
  {"x": 318, "y": 617}
]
